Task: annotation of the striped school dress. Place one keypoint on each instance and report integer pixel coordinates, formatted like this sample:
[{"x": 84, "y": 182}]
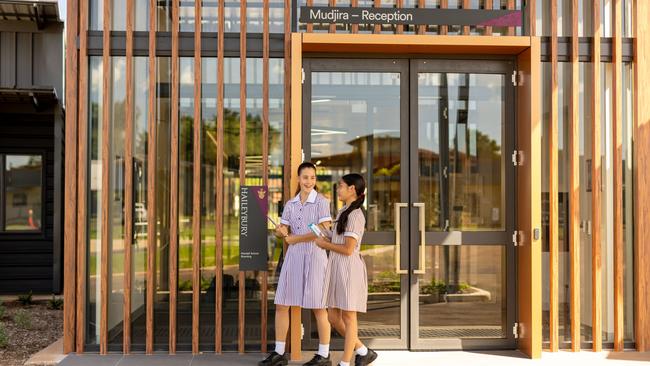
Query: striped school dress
[
  {"x": 303, "y": 273},
  {"x": 346, "y": 279}
]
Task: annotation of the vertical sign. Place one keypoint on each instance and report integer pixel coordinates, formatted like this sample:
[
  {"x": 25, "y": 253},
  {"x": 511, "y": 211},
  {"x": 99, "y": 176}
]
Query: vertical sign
[{"x": 253, "y": 231}]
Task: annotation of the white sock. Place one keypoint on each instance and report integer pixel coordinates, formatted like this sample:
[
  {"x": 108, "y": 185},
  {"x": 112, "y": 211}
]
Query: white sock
[
  {"x": 323, "y": 350},
  {"x": 362, "y": 351},
  {"x": 343, "y": 363},
  {"x": 279, "y": 347}
]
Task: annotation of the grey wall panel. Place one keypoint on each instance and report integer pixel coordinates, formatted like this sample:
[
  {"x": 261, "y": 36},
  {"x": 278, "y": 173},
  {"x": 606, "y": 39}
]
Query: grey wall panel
[
  {"x": 23, "y": 60},
  {"x": 7, "y": 59},
  {"x": 48, "y": 61}
]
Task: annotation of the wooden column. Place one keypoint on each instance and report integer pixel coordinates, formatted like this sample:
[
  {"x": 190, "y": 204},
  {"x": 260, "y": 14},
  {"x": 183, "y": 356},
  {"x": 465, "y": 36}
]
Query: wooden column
[
  {"x": 596, "y": 261},
  {"x": 642, "y": 175},
  {"x": 70, "y": 205},
  {"x": 617, "y": 128},
  {"x": 355, "y": 27},
  {"x": 106, "y": 222},
  {"x": 296, "y": 153},
  {"x": 421, "y": 29},
  {"x": 443, "y": 28},
  {"x": 376, "y": 28},
  {"x": 128, "y": 179},
  {"x": 82, "y": 170},
  {"x": 553, "y": 190},
  {"x": 574, "y": 182},
  {"x": 529, "y": 254}
]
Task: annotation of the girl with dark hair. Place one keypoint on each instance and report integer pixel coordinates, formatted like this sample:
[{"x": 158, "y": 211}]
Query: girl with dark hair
[
  {"x": 303, "y": 273},
  {"x": 346, "y": 280}
]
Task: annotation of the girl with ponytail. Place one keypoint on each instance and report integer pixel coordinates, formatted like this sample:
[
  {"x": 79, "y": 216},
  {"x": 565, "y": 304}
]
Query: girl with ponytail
[{"x": 346, "y": 280}]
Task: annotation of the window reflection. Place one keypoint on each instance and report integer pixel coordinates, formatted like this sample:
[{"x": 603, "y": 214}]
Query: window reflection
[{"x": 22, "y": 191}]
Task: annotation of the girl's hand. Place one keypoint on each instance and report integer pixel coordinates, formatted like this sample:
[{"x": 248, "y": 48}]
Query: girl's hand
[
  {"x": 321, "y": 242},
  {"x": 282, "y": 231}
]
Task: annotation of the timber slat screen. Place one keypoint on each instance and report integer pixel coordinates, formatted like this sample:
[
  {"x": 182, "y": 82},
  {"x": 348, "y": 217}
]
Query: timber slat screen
[{"x": 79, "y": 171}]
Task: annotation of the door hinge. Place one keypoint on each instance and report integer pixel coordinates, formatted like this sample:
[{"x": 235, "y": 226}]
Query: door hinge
[
  {"x": 302, "y": 154},
  {"x": 517, "y": 78},
  {"x": 517, "y": 158},
  {"x": 302, "y": 331},
  {"x": 303, "y": 75},
  {"x": 515, "y": 330},
  {"x": 517, "y": 238}
]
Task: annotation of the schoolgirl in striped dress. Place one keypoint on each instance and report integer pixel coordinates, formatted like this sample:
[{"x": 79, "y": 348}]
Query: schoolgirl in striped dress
[
  {"x": 303, "y": 273},
  {"x": 346, "y": 279}
]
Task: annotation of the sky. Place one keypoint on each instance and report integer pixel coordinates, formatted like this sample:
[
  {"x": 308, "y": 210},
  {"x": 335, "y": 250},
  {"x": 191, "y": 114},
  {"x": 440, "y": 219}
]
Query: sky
[{"x": 62, "y": 9}]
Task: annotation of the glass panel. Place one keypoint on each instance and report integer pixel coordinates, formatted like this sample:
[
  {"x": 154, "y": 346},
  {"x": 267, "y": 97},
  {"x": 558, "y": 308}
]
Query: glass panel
[
  {"x": 463, "y": 293},
  {"x": 96, "y": 10},
  {"x": 163, "y": 138},
  {"x": 208, "y": 200},
  {"x": 255, "y": 15},
  {"x": 118, "y": 15},
  {"x": 186, "y": 16},
  {"x": 628, "y": 202},
  {"x": 23, "y": 192},
  {"x": 586, "y": 120},
  {"x": 139, "y": 248},
  {"x": 94, "y": 219},
  {"x": 585, "y": 18},
  {"x": 607, "y": 203},
  {"x": 209, "y": 15},
  {"x": 475, "y": 105},
  {"x": 564, "y": 260},
  {"x": 356, "y": 128},
  {"x": 141, "y": 15},
  {"x": 185, "y": 204},
  {"x": 564, "y": 17},
  {"x": 116, "y": 202},
  {"x": 382, "y": 319},
  {"x": 430, "y": 108},
  {"x": 164, "y": 15}
]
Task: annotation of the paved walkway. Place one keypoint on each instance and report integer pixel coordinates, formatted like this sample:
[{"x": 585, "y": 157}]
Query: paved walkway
[{"x": 386, "y": 358}]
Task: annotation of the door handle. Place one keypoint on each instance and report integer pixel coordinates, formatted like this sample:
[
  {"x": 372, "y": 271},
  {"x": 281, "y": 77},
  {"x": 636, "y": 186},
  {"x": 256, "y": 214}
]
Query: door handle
[
  {"x": 422, "y": 261},
  {"x": 398, "y": 235}
]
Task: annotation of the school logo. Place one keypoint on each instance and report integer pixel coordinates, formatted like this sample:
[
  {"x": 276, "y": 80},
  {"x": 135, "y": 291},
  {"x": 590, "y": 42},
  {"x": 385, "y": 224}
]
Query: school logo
[{"x": 261, "y": 194}]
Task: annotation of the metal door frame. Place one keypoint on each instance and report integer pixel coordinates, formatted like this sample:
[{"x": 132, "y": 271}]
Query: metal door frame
[
  {"x": 377, "y": 237},
  {"x": 409, "y": 249},
  {"x": 505, "y": 67}
]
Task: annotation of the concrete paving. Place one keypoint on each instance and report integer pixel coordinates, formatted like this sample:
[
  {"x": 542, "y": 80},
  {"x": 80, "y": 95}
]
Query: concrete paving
[{"x": 386, "y": 358}]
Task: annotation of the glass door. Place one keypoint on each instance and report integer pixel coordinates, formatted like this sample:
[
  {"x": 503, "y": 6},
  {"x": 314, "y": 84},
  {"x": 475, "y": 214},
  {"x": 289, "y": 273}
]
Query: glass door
[
  {"x": 356, "y": 120},
  {"x": 433, "y": 139},
  {"x": 461, "y": 205}
]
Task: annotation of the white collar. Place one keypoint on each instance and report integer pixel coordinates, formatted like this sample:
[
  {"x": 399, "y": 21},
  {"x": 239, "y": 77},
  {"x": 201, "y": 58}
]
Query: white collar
[{"x": 311, "y": 199}]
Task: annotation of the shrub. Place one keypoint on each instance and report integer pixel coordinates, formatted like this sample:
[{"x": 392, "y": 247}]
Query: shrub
[
  {"x": 55, "y": 303},
  {"x": 4, "y": 338},
  {"x": 26, "y": 299},
  {"x": 23, "y": 319}
]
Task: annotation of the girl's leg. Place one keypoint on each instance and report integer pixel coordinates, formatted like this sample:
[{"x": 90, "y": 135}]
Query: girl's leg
[
  {"x": 351, "y": 336},
  {"x": 324, "y": 331},
  {"x": 281, "y": 327},
  {"x": 335, "y": 317}
]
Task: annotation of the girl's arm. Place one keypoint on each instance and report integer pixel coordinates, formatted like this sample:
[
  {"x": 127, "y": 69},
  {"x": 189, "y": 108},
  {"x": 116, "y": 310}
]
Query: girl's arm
[
  {"x": 346, "y": 249},
  {"x": 294, "y": 239}
]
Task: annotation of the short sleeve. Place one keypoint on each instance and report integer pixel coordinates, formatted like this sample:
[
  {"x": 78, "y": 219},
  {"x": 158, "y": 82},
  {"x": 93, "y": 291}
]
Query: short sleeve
[
  {"x": 286, "y": 214},
  {"x": 323, "y": 208},
  {"x": 356, "y": 225}
]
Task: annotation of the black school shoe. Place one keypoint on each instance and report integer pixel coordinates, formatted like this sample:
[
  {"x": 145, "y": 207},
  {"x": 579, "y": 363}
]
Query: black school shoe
[
  {"x": 365, "y": 360},
  {"x": 319, "y": 360},
  {"x": 275, "y": 359}
]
